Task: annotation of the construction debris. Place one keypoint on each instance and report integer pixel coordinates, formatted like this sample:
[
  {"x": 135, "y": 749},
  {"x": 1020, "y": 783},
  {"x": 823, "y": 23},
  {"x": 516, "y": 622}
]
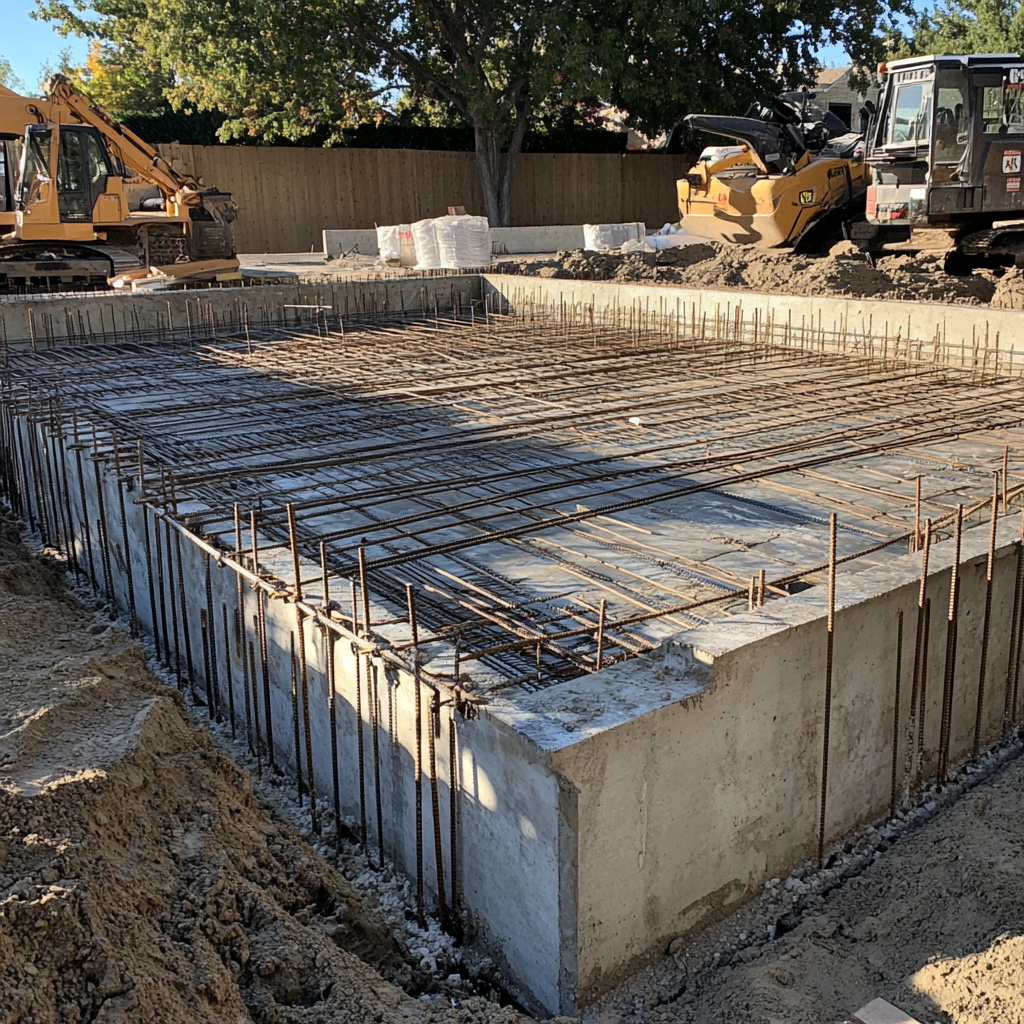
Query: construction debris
[{"x": 178, "y": 275}]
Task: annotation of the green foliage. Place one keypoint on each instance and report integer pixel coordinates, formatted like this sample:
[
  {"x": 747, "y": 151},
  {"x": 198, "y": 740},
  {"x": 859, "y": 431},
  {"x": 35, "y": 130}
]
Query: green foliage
[
  {"x": 962, "y": 26},
  {"x": 8, "y": 78},
  {"x": 661, "y": 61}
]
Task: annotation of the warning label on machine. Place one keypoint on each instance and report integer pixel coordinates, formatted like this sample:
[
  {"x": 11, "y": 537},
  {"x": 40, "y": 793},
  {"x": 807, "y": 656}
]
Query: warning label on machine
[
  {"x": 1011, "y": 161},
  {"x": 1013, "y": 184}
]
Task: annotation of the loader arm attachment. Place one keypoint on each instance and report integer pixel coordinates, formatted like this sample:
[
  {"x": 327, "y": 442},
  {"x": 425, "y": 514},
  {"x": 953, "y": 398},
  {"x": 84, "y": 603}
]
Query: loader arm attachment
[{"x": 776, "y": 147}]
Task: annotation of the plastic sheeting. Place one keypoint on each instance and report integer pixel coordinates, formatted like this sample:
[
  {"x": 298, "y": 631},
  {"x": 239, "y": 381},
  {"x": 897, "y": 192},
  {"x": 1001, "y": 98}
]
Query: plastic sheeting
[
  {"x": 452, "y": 243},
  {"x": 611, "y": 237},
  {"x": 670, "y": 236},
  {"x": 424, "y": 237}
]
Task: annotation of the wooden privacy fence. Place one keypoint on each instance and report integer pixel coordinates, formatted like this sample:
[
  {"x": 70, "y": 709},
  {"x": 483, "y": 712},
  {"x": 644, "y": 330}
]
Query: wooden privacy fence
[{"x": 287, "y": 196}]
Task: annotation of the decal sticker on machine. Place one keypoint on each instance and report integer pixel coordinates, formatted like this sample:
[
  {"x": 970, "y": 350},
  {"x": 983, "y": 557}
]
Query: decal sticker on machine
[
  {"x": 1013, "y": 184},
  {"x": 1015, "y": 77},
  {"x": 807, "y": 197},
  {"x": 1011, "y": 161}
]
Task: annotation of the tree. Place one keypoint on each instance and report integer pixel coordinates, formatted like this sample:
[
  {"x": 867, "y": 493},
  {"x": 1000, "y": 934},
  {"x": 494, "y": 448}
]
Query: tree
[
  {"x": 293, "y": 68},
  {"x": 8, "y": 78},
  {"x": 963, "y": 26}
]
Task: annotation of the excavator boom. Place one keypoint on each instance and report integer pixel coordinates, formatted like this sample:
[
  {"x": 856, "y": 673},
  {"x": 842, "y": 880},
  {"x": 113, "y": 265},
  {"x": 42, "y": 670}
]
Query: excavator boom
[{"x": 133, "y": 153}]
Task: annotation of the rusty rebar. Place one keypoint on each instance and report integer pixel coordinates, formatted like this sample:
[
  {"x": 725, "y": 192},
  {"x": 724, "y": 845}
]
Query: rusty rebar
[
  {"x": 829, "y": 653},
  {"x": 949, "y": 673},
  {"x": 896, "y": 713},
  {"x": 987, "y": 620}
]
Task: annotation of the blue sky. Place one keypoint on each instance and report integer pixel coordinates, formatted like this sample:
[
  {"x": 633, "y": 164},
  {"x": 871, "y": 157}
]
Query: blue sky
[{"x": 29, "y": 44}]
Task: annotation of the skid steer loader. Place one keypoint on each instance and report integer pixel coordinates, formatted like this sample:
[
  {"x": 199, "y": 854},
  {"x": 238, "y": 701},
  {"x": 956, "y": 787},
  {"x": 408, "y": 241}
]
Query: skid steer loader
[{"x": 798, "y": 172}]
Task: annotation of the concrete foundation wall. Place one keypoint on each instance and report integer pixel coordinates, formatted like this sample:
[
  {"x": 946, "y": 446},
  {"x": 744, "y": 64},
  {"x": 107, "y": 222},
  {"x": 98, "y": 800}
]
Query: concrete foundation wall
[
  {"x": 513, "y": 824},
  {"x": 582, "y": 849},
  {"x": 685, "y": 811},
  {"x": 45, "y": 322},
  {"x": 967, "y": 336}
]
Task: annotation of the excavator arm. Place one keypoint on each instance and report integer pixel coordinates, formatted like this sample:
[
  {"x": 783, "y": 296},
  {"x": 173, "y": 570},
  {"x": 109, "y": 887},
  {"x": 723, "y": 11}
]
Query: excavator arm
[{"x": 137, "y": 156}]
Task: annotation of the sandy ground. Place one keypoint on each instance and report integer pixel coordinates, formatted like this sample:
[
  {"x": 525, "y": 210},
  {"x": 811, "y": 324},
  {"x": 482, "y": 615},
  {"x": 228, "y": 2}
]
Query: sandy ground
[
  {"x": 140, "y": 877},
  {"x": 143, "y": 877}
]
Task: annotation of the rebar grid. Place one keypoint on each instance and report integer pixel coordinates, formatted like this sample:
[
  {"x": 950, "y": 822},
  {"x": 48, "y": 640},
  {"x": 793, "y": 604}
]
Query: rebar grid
[{"x": 562, "y": 488}]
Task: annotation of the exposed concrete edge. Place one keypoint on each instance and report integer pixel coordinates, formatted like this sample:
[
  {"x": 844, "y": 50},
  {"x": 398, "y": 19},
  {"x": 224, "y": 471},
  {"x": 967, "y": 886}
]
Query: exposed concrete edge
[
  {"x": 723, "y": 636},
  {"x": 940, "y": 332}
]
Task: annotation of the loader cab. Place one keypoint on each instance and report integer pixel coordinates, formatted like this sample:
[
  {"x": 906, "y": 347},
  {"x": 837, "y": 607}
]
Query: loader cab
[{"x": 62, "y": 180}]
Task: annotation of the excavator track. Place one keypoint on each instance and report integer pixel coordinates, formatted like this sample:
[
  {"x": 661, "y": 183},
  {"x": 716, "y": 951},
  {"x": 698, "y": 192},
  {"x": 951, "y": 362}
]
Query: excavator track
[
  {"x": 1006, "y": 242},
  {"x": 28, "y": 268}
]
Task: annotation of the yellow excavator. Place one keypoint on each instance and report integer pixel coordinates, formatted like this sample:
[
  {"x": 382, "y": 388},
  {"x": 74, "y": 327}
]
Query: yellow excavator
[
  {"x": 84, "y": 200},
  {"x": 797, "y": 172}
]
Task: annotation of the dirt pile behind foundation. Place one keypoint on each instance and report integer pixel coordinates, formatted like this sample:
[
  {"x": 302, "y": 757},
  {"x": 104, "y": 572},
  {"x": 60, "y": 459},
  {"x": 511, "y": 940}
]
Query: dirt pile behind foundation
[
  {"x": 139, "y": 878},
  {"x": 713, "y": 265}
]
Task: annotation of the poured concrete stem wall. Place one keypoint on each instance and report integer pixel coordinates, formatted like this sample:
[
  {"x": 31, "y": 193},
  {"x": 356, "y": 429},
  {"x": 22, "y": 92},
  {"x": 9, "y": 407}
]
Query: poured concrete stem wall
[
  {"x": 686, "y": 811},
  {"x": 955, "y": 335},
  {"x": 44, "y": 322}
]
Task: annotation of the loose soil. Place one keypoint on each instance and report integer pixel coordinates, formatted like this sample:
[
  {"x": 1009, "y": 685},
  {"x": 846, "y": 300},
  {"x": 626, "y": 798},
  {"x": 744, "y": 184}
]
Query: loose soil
[
  {"x": 140, "y": 878},
  {"x": 713, "y": 265}
]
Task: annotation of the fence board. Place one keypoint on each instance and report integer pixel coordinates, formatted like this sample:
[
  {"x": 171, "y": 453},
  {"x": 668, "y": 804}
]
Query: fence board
[{"x": 287, "y": 196}]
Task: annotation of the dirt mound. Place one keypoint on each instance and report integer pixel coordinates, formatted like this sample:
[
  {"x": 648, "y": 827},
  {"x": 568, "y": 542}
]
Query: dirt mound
[
  {"x": 139, "y": 878},
  {"x": 713, "y": 265},
  {"x": 1009, "y": 292}
]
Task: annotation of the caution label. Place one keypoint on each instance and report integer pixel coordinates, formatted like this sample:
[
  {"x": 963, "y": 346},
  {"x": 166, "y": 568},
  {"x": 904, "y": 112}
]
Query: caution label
[
  {"x": 1011, "y": 161},
  {"x": 1013, "y": 184},
  {"x": 807, "y": 197}
]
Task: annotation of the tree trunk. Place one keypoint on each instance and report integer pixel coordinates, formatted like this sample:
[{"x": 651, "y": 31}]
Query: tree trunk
[{"x": 495, "y": 174}]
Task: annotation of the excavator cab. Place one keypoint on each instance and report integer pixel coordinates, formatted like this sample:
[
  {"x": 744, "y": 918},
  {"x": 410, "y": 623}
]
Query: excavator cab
[
  {"x": 945, "y": 154},
  {"x": 63, "y": 183}
]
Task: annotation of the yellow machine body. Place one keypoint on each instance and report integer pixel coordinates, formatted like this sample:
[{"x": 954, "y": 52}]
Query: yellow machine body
[{"x": 736, "y": 201}]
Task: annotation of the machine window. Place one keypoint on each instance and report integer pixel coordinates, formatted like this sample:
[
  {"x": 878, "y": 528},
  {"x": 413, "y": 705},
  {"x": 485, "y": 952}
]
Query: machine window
[
  {"x": 35, "y": 166},
  {"x": 912, "y": 114},
  {"x": 1002, "y": 110},
  {"x": 70, "y": 177},
  {"x": 951, "y": 133},
  {"x": 96, "y": 168}
]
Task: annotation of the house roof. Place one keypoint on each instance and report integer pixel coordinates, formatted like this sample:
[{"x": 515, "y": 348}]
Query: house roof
[{"x": 829, "y": 76}]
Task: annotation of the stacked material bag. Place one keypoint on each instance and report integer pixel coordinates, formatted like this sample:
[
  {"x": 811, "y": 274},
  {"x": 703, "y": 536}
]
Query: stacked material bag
[
  {"x": 395, "y": 244},
  {"x": 452, "y": 243}
]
